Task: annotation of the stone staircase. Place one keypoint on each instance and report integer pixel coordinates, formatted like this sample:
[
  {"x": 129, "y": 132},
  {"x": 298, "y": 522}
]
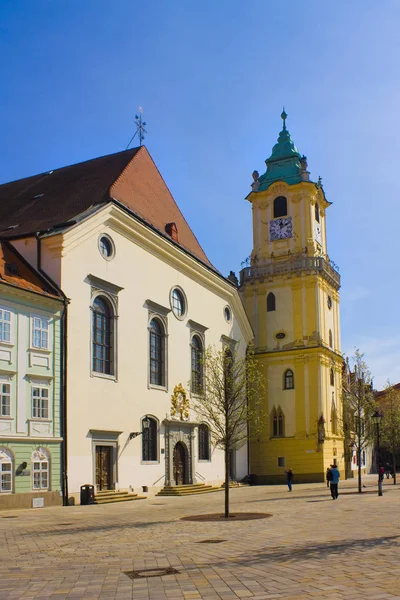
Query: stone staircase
[
  {"x": 188, "y": 490},
  {"x": 111, "y": 496}
]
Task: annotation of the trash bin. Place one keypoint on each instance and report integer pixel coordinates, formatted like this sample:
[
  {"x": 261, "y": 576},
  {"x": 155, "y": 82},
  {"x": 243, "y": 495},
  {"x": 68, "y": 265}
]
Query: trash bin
[
  {"x": 252, "y": 479},
  {"x": 145, "y": 489},
  {"x": 87, "y": 494}
]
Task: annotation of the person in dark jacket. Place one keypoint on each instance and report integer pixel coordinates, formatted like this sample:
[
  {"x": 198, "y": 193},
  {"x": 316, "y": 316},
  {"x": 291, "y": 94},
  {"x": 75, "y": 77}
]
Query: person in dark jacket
[
  {"x": 334, "y": 482},
  {"x": 289, "y": 478},
  {"x": 328, "y": 476}
]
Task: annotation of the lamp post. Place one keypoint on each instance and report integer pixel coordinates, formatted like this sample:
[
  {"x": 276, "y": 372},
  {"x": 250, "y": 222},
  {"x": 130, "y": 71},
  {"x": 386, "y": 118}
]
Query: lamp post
[
  {"x": 376, "y": 417},
  {"x": 145, "y": 425}
]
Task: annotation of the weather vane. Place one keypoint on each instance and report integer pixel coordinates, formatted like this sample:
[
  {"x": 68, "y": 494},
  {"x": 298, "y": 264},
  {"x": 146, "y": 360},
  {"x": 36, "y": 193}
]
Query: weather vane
[{"x": 140, "y": 124}]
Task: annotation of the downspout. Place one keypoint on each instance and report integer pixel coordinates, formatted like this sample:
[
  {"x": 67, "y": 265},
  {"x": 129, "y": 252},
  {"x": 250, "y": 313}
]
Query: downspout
[{"x": 63, "y": 375}]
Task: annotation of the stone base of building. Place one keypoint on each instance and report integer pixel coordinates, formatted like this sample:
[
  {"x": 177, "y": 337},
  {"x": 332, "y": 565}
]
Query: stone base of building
[
  {"x": 281, "y": 479},
  {"x": 30, "y": 500}
]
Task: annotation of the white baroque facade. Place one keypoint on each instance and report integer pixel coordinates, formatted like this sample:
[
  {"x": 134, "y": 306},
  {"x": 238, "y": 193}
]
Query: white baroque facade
[{"x": 142, "y": 308}]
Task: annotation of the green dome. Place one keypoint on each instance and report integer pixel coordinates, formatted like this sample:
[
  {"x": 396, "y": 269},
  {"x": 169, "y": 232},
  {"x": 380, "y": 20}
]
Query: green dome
[{"x": 284, "y": 162}]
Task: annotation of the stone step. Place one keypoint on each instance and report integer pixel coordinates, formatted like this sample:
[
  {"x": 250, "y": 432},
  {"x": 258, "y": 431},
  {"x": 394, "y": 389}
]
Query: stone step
[
  {"x": 109, "y": 497},
  {"x": 187, "y": 490}
]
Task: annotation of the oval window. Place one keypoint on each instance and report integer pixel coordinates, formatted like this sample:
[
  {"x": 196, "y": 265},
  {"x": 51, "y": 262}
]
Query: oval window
[
  {"x": 227, "y": 314},
  {"x": 178, "y": 303},
  {"x": 106, "y": 247}
]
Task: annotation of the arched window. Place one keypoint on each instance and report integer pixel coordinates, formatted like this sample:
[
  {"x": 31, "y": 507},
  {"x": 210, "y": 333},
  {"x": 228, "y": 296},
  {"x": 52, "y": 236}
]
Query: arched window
[
  {"x": 270, "y": 302},
  {"x": 330, "y": 339},
  {"x": 334, "y": 422},
  {"x": 6, "y": 471},
  {"x": 278, "y": 422},
  {"x": 228, "y": 371},
  {"x": 280, "y": 207},
  {"x": 149, "y": 441},
  {"x": 40, "y": 469},
  {"x": 204, "y": 442},
  {"x": 317, "y": 212},
  {"x": 102, "y": 336},
  {"x": 288, "y": 380},
  {"x": 157, "y": 353},
  {"x": 197, "y": 365},
  {"x": 332, "y": 377}
]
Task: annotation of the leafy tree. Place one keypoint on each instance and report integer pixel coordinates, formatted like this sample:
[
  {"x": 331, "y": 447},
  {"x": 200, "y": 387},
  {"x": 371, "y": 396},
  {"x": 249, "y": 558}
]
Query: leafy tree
[
  {"x": 358, "y": 408},
  {"x": 389, "y": 404},
  {"x": 231, "y": 402}
]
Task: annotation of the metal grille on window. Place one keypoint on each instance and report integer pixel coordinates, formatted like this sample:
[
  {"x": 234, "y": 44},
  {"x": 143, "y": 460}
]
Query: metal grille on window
[
  {"x": 289, "y": 380},
  {"x": 204, "y": 443},
  {"x": 5, "y": 400},
  {"x": 5, "y": 477},
  {"x": 5, "y": 326},
  {"x": 156, "y": 353},
  {"x": 40, "y": 475},
  {"x": 40, "y": 403},
  {"x": 149, "y": 441},
  {"x": 197, "y": 365},
  {"x": 102, "y": 337},
  {"x": 178, "y": 303}
]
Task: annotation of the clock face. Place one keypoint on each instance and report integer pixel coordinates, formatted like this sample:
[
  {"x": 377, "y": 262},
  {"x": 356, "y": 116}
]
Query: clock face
[
  {"x": 318, "y": 233},
  {"x": 279, "y": 229}
]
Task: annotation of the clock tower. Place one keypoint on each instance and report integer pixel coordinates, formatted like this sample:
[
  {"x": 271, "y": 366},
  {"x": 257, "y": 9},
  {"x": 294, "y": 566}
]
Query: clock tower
[{"x": 291, "y": 295}]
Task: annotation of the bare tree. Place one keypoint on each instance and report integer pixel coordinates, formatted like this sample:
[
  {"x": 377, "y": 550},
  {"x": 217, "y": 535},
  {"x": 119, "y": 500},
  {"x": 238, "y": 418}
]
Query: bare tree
[
  {"x": 358, "y": 408},
  {"x": 231, "y": 402},
  {"x": 389, "y": 404}
]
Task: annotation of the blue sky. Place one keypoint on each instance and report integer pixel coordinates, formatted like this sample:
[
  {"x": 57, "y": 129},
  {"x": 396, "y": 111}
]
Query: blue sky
[{"x": 212, "y": 77}]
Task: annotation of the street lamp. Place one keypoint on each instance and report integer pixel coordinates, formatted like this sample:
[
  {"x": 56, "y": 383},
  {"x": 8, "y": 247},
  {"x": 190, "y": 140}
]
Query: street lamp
[
  {"x": 376, "y": 418},
  {"x": 145, "y": 425}
]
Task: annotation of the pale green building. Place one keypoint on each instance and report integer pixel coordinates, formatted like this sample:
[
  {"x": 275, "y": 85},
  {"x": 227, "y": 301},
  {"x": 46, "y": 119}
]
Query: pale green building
[{"x": 31, "y": 313}]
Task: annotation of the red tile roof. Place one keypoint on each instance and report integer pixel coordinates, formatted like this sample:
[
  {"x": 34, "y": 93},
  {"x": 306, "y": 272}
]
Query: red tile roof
[
  {"x": 44, "y": 201},
  {"x": 15, "y": 271}
]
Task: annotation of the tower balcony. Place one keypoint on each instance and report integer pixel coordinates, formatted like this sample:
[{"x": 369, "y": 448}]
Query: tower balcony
[{"x": 296, "y": 264}]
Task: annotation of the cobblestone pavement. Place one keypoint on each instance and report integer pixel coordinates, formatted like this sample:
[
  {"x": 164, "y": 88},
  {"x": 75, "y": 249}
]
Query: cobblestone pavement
[{"x": 311, "y": 547}]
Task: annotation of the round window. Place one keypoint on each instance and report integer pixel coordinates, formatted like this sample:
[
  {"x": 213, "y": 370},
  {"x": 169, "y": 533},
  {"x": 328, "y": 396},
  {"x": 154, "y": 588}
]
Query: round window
[
  {"x": 227, "y": 314},
  {"x": 106, "y": 247},
  {"x": 280, "y": 335},
  {"x": 178, "y": 303}
]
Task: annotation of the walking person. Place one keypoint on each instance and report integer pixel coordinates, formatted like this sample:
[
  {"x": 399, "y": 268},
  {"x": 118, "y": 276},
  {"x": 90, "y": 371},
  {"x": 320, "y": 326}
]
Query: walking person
[
  {"x": 289, "y": 478},
  {"x": 335, "y": 476},
  {"x": 387, "y": 470},
  {"x": 328, "y": 476}
]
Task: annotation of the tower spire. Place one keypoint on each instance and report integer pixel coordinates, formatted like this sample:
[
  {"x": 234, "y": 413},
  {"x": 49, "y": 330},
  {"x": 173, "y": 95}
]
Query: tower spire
[
  {"x": 140, "y": 124},
  {"x": 284, "y": 117}
]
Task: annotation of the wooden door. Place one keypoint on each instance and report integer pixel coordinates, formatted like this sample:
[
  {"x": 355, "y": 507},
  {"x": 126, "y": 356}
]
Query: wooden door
[
  {"x": 104, "y": 468},
  {"x": 179, "y": 464}
]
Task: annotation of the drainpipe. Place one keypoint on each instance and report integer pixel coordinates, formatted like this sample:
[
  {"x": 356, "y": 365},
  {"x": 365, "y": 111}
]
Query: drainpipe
[{"x": 63, "y": 376}]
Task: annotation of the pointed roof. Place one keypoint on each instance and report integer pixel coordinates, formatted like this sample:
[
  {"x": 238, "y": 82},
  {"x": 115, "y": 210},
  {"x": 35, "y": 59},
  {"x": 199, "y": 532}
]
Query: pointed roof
[
  {"x": 284, "y": 162},
  {"x": 17, "y": 273},
  {"x": 60, "y": 198}
]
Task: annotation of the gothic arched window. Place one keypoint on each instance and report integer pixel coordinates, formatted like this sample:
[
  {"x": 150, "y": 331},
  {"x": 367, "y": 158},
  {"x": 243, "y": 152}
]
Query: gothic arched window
[
  {"x": 102, "y": 336},
  {"x": 204, "y": 442},
  {"x": 271, "y": 302},
  {"x": 288, "y": 380},
  {"x": 149, "y": 440},
  {"x": 280, "y": 207},
  {"x": 157, "y": 353},
  {"x": 332, "y": 377},
  {"x": 197, "y": 365},
  {"x": 278, "y": 423}
]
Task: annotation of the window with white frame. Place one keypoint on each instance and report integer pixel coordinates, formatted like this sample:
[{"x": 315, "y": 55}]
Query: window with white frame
[
  {"x": 40, "y": 402},
  {"x": 5, "y": 325},
  {"x": 40, "y": 470},
  {"x": 5, "y": 472},
  {"x": 5, "y": 400},
  {"x": 40, "y": 332}
]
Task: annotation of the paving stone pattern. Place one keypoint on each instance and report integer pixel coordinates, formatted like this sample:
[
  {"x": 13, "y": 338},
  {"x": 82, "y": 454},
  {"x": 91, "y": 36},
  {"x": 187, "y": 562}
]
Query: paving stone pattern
[{"x": 311, "y": 547}]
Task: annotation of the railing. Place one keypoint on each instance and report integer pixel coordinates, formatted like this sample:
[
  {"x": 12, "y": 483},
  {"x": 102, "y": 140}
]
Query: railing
[{"x": 293, "y": 264}]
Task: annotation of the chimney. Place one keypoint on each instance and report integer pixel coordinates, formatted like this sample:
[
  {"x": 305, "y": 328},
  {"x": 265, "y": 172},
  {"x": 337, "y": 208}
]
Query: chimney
[{"x": 172, "y": 231}]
